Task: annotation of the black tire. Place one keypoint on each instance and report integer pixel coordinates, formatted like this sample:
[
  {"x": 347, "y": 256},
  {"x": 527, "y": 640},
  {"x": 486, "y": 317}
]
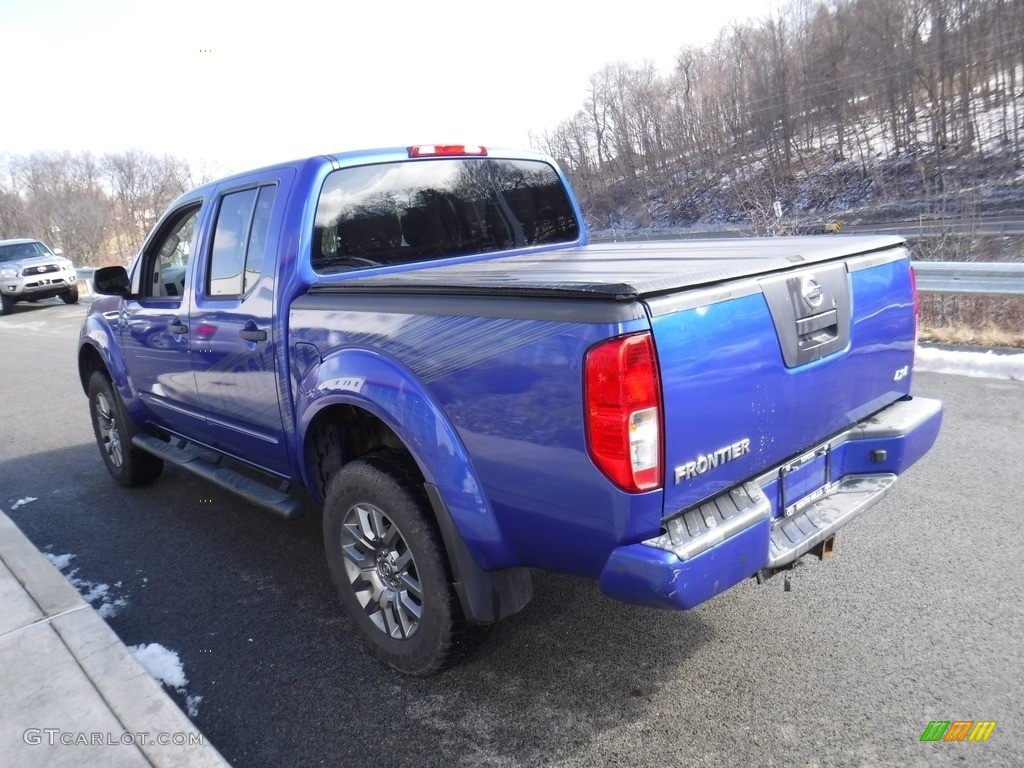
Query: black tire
[
  {"x": 128, "y": 465},
  {"x": 6, "y": 304},
  {"x": 390, "y": 567},
  {"x": 70, "y": 296}
]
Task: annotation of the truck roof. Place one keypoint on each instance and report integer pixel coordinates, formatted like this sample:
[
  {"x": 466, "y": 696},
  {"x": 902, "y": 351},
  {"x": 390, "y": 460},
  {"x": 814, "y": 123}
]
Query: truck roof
[
  {"x": 619, "y": 271},
  {"x": 351, "y": 157}
]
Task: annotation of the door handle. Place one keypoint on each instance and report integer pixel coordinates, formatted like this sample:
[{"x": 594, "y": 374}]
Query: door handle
[
  {"x": 253, "y": 335},
  {"x": 176, "y": 327}
]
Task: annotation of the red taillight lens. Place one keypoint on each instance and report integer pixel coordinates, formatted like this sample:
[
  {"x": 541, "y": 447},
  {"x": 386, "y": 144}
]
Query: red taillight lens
[
  {"x": 623, "y": 400},
  {"x": 447, "y": 150},
  {"x": 917, "y": 305}
]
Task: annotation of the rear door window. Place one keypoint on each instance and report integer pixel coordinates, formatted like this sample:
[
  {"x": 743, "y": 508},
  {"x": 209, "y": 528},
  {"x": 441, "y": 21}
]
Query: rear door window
[
  {"x": 404, "y": 212},
  {"x": 239, "y": 240}
]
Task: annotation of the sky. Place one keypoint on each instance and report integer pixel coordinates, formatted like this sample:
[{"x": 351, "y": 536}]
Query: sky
[{"x": 234, "y": 85}]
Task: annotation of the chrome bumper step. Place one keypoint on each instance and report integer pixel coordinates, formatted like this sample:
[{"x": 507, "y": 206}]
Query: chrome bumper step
[
  {"x": 714, "y": 521},
  {"x": 794, "y": 536}
]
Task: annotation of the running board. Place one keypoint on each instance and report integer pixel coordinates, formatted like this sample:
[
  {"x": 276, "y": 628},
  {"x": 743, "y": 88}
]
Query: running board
[{"x": 197, "y": 461}]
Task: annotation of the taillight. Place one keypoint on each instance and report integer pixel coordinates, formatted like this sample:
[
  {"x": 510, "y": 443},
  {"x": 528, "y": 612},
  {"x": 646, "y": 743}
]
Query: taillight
[
  {"x": 917, "y": 305},
  {"x": 623, "y": 399},
  {"x": 447, "y": 150}
]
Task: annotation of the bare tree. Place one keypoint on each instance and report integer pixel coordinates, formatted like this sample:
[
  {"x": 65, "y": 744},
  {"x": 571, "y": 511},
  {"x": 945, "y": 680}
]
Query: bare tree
[
  {"x": 141, "y": 187},
  {"x": 97, "y": 211},
  {"x": 797, "y": 96}
]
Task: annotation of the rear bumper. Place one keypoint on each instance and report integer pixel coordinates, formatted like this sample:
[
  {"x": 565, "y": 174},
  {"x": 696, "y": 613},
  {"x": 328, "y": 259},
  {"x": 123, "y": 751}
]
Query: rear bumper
[{"x": 707, "y": 549}]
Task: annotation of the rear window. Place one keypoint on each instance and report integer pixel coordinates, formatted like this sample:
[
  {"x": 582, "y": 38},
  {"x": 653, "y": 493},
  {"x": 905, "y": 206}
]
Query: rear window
[{"x": 404, "y": 212}]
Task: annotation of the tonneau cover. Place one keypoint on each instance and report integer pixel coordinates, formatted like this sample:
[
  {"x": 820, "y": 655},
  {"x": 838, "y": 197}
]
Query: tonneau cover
[{"x": 620, "y": 271}]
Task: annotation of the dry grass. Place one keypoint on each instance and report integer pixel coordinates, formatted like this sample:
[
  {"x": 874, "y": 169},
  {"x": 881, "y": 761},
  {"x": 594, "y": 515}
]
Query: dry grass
[
  {"x": 972, "y": 319},
  {"x": 986, "y": 336},
  {"x": 976, "y": 320}
]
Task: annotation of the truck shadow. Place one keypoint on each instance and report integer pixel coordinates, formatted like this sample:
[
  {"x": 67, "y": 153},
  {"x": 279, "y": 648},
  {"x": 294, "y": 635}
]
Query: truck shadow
[{"x": 246, "y": 600}]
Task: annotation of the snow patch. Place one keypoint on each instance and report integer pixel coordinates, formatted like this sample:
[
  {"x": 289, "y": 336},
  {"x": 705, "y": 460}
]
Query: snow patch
[
  {"x": 979, "y": 364},
  {"x": 112, "y": 608},
  {"x": 166, "y": 667},
  {"x": 192, "y": 705},
  {"x": 162, "y": 663},
  {"x": 93, "y": 592},
  {"x": 23, "y": 502},
  {"x": 61, "y": 561}
]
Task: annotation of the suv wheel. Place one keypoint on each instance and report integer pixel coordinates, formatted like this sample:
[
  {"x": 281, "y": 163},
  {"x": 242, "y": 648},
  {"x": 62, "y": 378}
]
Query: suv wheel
[
  {"x": 390, "y": 567},
  {"x": 6, "y": 304},
  {"x": 127, "y": 464},
  {"x": 70, "y": 296}
]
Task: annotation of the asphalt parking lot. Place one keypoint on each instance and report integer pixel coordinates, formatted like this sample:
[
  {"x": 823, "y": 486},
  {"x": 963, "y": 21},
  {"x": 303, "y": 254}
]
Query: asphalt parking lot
[{"x": 918, "y": 617}]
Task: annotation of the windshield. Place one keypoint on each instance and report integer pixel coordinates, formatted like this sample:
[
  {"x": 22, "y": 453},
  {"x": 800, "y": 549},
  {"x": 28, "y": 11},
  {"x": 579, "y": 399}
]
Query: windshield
[
  {"x": 398, "y": 213},
  {"x": 16, "y": 251}
]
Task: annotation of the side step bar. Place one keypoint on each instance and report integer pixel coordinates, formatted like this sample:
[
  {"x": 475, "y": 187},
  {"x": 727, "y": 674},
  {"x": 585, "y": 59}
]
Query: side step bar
[{"x": 195, "y": 460}]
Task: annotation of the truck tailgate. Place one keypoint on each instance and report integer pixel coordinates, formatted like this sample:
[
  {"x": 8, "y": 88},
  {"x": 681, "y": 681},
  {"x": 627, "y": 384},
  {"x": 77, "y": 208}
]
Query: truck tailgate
[{"x": 757, "y": 371}]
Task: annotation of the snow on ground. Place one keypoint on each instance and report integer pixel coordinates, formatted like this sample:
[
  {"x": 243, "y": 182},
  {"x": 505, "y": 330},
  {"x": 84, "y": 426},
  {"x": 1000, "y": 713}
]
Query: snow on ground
[
  {"x": 982, "y": 364},
  {"x": 165, "y": 665},
  {"x": 162, "y": 663},
  {"x": 23, "y": 502},
  {"x": 192, "y": 705},
  {"x": 61, "y": 561},
  {"x": 93, "y": 592}
]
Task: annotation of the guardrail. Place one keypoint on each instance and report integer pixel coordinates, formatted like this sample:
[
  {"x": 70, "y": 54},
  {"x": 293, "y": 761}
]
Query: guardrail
[{"x": 993, "y": 278}]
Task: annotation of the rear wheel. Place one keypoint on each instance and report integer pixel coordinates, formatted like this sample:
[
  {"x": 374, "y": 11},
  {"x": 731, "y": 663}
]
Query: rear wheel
[
  {"x": 70, "y": 296},
  {"x": 127, "y": 464},
  {"x": 390, "y": 567}
]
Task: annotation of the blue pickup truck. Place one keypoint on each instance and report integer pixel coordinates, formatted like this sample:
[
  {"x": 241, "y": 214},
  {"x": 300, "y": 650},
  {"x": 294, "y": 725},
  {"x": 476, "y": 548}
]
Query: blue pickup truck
[{"x": 423, "y": 339}]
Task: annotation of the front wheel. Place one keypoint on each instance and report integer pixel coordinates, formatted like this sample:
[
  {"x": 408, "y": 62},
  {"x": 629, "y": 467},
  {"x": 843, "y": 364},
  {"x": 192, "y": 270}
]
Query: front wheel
[
  {"x": 390, "y": 567},
  {"x": 70, "y": 296},
  {"x": 127, "y": 464},
  {"x": 6, "y": 304}
]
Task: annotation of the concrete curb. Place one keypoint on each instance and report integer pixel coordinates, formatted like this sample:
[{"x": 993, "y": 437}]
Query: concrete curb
[{"x": 72, "y": 693}]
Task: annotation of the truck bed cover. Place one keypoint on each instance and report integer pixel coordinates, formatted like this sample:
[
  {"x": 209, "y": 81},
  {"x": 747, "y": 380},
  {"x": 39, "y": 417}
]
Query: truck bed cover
[{"x": 616, "y": 271}]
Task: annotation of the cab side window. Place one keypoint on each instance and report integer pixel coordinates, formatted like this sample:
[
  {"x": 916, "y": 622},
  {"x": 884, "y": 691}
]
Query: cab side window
[
  {"x": 239, "y": 242},
  {"x": 165, "y": 263}
]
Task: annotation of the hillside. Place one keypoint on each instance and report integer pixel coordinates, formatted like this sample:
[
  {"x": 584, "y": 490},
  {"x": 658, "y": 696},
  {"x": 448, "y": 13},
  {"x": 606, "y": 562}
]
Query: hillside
[
  {"x": 883, "y": 189},
  {"x": 864, "y": 110}
]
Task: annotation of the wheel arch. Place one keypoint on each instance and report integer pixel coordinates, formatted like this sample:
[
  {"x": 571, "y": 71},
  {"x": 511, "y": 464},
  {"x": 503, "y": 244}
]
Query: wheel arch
[
  {"x": 89, "y": 361},
  {"x": 98, "y": 350},
  {"x": 359, "y": 401}
]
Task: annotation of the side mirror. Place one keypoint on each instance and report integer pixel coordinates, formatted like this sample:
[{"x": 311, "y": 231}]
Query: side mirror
[
  {"x": 58, "y": 251},
  {"x": 112, "y": 281}
]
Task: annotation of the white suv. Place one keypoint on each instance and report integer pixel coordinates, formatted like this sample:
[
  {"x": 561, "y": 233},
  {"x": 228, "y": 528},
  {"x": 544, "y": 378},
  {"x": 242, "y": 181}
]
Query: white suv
[{"x": 30, "y": 271}]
